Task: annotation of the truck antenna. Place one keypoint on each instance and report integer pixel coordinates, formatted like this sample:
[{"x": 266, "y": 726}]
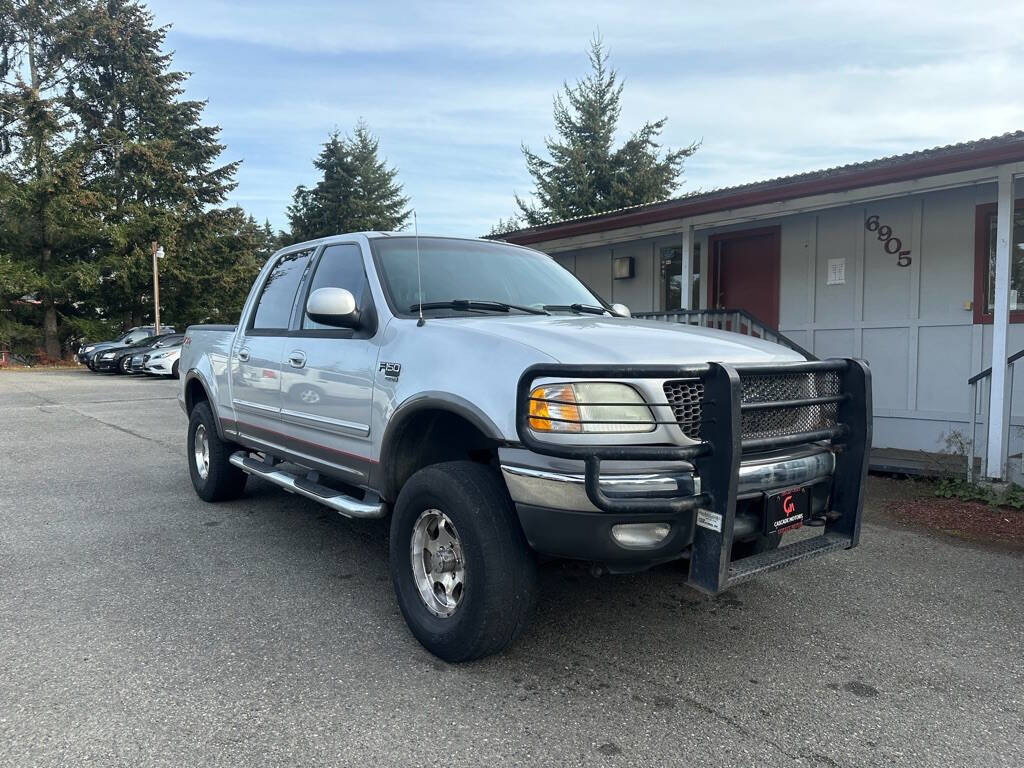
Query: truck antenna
[{"x": 419, "y": 276}]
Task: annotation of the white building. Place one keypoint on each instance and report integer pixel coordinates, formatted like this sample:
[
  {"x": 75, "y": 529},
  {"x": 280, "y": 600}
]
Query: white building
[{"x": 914, "y": 263}]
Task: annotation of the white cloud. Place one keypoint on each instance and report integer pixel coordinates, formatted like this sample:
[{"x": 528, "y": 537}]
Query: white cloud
[{"x": 452, "y": 89}]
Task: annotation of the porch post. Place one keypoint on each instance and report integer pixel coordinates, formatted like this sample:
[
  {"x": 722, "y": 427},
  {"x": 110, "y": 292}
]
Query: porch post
[
  {"x": 686, "y": 288},
  {"x": 998, "y": 413}
]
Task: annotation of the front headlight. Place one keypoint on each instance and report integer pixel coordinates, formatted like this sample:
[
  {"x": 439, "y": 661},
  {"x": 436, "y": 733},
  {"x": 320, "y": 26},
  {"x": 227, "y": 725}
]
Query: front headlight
[
  {"x": 90, "y": 348},
  {"x": 108, "y": 355},
  {"x": 592, "y": 407},
  {"x": 158, "y": 355}
]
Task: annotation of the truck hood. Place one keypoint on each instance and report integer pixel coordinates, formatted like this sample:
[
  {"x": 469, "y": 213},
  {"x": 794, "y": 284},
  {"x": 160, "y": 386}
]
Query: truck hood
[{"x": 595, "y": 339}]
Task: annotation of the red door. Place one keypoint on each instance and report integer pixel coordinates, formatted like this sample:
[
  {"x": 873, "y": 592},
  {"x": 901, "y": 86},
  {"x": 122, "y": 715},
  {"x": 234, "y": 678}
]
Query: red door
[{"x": 745, "y": 273}]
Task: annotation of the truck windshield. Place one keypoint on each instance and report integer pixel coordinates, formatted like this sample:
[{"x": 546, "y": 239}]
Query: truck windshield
[{"x": 456, "y": 270}]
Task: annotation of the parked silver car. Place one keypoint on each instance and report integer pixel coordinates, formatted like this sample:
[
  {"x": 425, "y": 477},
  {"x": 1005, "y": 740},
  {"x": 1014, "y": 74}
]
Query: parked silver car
[{"x": 162, "y": 361}]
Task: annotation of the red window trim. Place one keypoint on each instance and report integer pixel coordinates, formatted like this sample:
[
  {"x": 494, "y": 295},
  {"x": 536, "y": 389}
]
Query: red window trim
[{"x": 981, "y": 214}]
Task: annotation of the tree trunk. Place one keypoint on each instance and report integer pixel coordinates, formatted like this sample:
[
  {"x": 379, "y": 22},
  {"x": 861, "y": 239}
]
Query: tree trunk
[
  {"x": 50, "y": 340},
  {"x": 51, "y": 343}
]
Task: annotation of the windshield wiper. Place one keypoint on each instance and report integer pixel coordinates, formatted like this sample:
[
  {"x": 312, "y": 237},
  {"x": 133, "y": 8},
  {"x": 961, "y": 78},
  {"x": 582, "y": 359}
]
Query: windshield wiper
[
  {"x": 577, "y": 308},
  {"x": 480, "y": 304}
]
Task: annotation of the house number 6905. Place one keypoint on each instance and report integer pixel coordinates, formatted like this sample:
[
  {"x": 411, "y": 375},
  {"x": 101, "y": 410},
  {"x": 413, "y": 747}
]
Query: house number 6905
[{"x": 890, "y": 243}]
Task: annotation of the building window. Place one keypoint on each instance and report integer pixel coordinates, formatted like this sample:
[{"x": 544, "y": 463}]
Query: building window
[
  {"x": 672, "y": 277},
  {"x": 985, "y": 264}
]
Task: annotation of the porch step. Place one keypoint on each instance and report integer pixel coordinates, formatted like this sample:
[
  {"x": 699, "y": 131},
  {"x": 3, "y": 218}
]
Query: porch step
[
  {"x": 755, "y": 565},
  {"x": 900, "y": 461}
]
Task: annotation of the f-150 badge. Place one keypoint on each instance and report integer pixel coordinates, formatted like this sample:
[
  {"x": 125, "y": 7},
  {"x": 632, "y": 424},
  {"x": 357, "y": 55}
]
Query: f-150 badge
[{"x": 391, "y": 370}]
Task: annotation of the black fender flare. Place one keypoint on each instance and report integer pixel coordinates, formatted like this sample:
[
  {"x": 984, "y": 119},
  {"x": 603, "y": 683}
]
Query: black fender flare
[{"x": 428, "y": 401}]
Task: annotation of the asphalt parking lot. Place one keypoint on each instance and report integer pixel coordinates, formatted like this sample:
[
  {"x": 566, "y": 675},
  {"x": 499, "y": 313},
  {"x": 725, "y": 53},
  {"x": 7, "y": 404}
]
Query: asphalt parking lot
[{"x": 140, "y": 626}]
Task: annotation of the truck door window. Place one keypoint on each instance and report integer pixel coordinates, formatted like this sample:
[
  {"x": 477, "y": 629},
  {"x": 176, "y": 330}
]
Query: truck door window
[
  {"x": 275, "y": 305},
  {"x": 341, "y": 266}
]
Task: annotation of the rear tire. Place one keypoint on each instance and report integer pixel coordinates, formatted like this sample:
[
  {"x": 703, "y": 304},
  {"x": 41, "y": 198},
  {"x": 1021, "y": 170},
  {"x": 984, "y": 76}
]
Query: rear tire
[
  {"x": 464, "y": 509},
  {"x": 213, "y": 476}
]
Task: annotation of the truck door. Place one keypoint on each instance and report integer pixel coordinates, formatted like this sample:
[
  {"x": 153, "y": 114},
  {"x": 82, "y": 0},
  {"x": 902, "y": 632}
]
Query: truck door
[
  {"x": 327, "y": 373},
  {"x": 256, "y": 356}
]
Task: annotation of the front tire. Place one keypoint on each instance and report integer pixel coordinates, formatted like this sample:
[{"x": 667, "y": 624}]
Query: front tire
[
  {"x": 213, "y": 476},
  {"x": 174, "y": 370},
  {"x": 463, "y": 573},
  {"x": 125, "y": 366}
]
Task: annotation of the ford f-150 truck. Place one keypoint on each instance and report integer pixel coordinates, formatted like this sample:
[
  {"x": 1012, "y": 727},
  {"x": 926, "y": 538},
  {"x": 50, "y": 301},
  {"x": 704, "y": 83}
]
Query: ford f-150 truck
[{"x": 502, "y": 413}]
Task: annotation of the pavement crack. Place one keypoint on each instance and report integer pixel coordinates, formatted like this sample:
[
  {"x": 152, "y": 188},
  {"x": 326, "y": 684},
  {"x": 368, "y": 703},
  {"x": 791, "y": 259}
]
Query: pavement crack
[
  {"x": 125, "y": 430},
  {"x": 710, "y": 711}
]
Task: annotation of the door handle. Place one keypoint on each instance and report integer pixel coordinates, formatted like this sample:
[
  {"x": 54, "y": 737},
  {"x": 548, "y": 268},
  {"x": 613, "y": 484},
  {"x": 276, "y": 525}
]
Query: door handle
[
  {"x": 243, "y": 354},
  {"x": 297, "y": 359}
]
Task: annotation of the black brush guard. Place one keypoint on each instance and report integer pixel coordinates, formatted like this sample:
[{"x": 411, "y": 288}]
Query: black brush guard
[{"x": 716, "y": 458}]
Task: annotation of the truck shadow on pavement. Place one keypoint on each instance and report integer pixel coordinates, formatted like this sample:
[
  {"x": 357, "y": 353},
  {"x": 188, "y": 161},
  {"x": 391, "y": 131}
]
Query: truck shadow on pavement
[{"x": 578, "y": 615}]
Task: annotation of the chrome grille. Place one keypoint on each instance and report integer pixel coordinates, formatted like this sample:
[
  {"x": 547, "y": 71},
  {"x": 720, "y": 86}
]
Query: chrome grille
[{"x": 685, "y": 398}]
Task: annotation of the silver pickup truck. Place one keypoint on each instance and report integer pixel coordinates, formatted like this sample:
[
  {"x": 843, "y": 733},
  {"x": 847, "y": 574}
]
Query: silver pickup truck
[{"x": 502, "y": 413}]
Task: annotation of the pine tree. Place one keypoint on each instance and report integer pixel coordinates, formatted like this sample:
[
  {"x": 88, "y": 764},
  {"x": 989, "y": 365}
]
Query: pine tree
[
  {"x": 504, "y": 226},
  {"x": 149, "y": 155},
  {"x": 218, "y": 254},
  {"x": 584, "y": 173},
  {"x": 357, "y": 191},
  {"x": 45, "y": 223}
]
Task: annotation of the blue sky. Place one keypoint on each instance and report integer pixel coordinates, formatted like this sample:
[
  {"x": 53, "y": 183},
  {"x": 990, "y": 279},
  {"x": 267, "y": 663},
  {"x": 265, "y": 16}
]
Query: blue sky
[{"x": 452, "y": 89}]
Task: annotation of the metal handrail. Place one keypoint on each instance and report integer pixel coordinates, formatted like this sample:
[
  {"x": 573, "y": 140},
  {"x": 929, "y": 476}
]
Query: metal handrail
[
  {"x": 988, "y": 371},
  {"x": 719, "y": 318},
  {"x": 973, "y": 406}
]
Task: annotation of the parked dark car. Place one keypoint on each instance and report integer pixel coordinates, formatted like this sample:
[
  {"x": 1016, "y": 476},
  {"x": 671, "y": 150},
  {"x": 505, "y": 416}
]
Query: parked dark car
[
  {"x": 118, "y": 359},
  {"x": 87, "y": 353}
]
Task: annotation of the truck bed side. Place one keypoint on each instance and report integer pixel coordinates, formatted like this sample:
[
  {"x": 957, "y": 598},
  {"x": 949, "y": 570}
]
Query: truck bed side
[{"x": 206, "y": 359}]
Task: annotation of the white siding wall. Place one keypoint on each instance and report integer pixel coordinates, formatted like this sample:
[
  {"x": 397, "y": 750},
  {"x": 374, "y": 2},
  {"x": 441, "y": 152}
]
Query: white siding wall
[{"x": 908, "y": 322}]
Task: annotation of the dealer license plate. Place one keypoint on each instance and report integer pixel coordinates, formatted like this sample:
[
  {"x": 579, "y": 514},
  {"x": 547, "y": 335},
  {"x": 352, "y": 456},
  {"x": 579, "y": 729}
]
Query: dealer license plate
[{"x": 785, "y": 510}]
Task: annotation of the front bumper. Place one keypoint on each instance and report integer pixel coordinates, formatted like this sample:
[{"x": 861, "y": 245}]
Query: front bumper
[
  {"x": 560, "y": 520},
  {"x": 709, "y": 492},
  {"x": 159, "y": 367},
  {"x": 105, "y": 365},
  {"x": 567, "y": 490}
]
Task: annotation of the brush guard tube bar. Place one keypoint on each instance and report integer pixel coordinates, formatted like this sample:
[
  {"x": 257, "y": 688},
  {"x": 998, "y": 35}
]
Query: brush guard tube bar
[{"x": 716, "y": 458}]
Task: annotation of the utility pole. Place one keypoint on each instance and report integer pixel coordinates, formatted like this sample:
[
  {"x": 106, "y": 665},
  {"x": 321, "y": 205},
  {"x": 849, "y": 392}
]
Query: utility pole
[{"x": 158, "y": 253}]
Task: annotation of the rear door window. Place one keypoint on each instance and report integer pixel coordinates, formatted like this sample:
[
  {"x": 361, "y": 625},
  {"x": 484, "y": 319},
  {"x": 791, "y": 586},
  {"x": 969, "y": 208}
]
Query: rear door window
[{"x": 275, "y": 305}]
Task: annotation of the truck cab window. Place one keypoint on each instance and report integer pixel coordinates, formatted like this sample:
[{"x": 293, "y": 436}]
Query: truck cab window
[
  {"x": 341, "y": 266},
  {"x": 275, "y": 304}
]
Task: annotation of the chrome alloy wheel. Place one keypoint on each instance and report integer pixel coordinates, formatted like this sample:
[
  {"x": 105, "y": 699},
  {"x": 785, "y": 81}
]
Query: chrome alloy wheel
[
  {"x": 438, "y": 567},
  {"x": 201, "y": 449}
]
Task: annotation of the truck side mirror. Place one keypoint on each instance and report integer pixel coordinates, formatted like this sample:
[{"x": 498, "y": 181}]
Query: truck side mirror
[
  {"x": 621, "y": 310},
  {"x": 333, "y": 306}
]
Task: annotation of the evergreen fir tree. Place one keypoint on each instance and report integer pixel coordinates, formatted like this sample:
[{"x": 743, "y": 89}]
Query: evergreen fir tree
[
  {"x": 357, "y": 191},
  {"x": 584, "y": 173},
  {"x": 150, "y": 156},
  {"x": 45, "y": 222},
  {"x": 218, "y": 254}
]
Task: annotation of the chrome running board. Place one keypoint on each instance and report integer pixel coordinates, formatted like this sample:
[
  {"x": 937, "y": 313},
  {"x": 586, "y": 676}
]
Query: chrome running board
[{"x": 339, "y": 502}]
